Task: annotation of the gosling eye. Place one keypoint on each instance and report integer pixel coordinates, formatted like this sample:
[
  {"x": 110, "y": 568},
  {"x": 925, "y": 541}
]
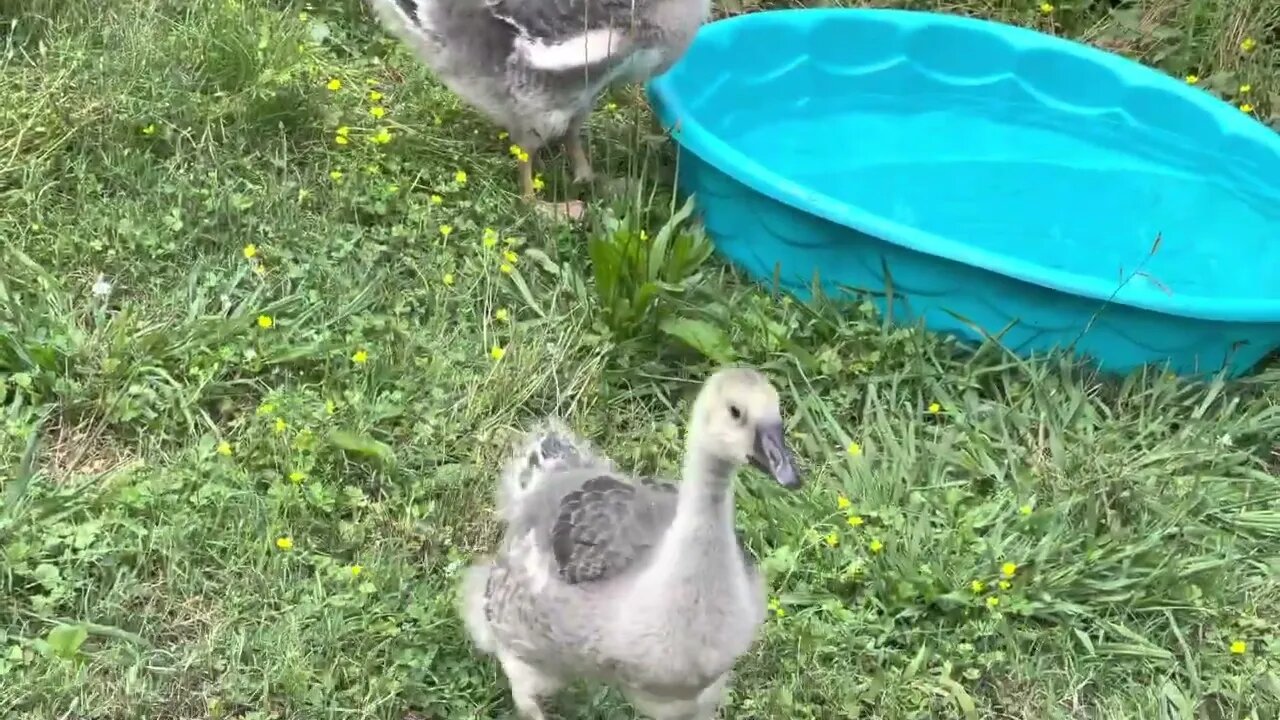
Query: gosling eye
[{"x": 736, "y": 413}]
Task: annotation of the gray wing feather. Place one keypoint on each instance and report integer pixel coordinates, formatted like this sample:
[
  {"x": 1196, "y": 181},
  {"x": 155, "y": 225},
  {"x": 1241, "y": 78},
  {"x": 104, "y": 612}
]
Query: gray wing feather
[
  {"x": 607, "y": 524},
  {"x": 555, "y": 20}
]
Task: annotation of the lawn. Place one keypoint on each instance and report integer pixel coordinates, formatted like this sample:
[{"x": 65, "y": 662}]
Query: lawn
[{"x": 270, "y": 316}]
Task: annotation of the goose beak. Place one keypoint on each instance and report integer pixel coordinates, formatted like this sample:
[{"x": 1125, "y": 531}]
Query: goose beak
[{"x": 771, "y": 455}]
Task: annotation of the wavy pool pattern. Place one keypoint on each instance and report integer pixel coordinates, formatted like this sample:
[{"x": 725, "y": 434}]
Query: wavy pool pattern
[{"x": 778, "y": 196}]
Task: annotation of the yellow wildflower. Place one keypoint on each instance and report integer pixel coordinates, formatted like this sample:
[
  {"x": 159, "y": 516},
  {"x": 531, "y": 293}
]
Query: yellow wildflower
[
  {"x": 330, "y": 407},
  {"x": 341, "y": 139},
  {"x": 1246, "y": 89},
  {"x": 460, "y": 177},
  {"x": 489, "y": 238},
  {"x": 1246, "y": 108},
  {"x": 266, "y": 408},
  {"x": 382, "y": 137},
  {"x": 935, "y": 408},
  {"x": 855, "y": 521},
  {"x": 360, "y": 357},
  {"x": 993, "y": 602},
  {"x": 374, "y": 96},
  {"x": 777, "y": 608},
  {"x": 149, "y": 130},
  {"x": 496, "y": 352},
  {"x": 832, "y": 539},
  {"x": 448, "y": 278},
  {"x": 378, "y": 111},
  {"x": 1248, "y": 44},
  {"x": 284, "y": 543},
  {"x": 335, "y": 175},
  {"x": 281, "y": 425},
  {"x": 538, "y": 183},
  {"x": 519, "y": 153},
  {"x": 1025, "y": 510},
  {"x": 297, "y": 476},
  {"x": 446, "y": 230},
  {"x": 853, "y": 449},
  {"x": 503, "y": 135},
  {"x": 501, "y": 315},
  {"x": 875, "y": 546},
  {"x": 225, "y": 449},
  {"x": 1239, "y": 647},
  {"x": 1005, "y": 584},
  {"x": 259, "y": 269},
  {"x": 265, "y": 321},
  {"x": 977, "y": 586},
  {"x": 506, "y": 269},
  {"x": 343, "y": 131},
  {"x": 436, "y": 200},
  {"x": 611, "y": 107},
  {"x": 510, "y": 257},
  {"x": 1008, "y": 569},
  {"x": 355, "y": 570},
  {"x": 843, "y": 503},
  {"x": 1192, "y": 79},
  {"x": 1046, "y": 8},
  {"x": 334, "y": 84},
  {"x": 250, "y": 251}
]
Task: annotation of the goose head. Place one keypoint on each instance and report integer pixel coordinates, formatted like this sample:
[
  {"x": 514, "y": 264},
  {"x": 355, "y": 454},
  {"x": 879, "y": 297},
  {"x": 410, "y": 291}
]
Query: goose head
[{"x": 737, "y": 420}]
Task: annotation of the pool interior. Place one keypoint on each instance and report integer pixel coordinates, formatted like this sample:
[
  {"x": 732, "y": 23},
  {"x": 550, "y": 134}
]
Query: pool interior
[{"x": 1016, "y": 159}]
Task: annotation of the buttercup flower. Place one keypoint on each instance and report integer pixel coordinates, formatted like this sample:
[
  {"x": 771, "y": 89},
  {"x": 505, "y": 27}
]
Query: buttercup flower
[
  {"x": 448, "y": 278},
  {"x": 360, "y": 357},
  {"x": 446, "y": 230},
  {"x": 355, "y": 570},
  {"x": 297, "y": 476},
  {"x": 377, "y": 111},
  {"x": 855, "y": 521},
  {"x": 374, "y": 96},
  {"x": 1239, "y": 647},
  {"x": 875, "y": 545},
  {"x": 284, "y": 543},
  {"x": 1008, "y": 569},
  {"x": 501, "y": 315},
  {"x": 1046, "y": 8},
  {"x": 1248, "y": 44},
  {"x": 250, "y": 251},
  {"x": 1192, "y": 79},
  {"x": 334, "y": 84},
  {"x": 460, "y": 177},
  {"x": 977, "y": 586},
  {"x": 831, "y": 539},
  {"x": 993, "y": 602},
  {"x": 497, "y": 353},
  {"x": 225, "y": 449},
  {"x": 843, "y": 503},
  {"x": 265, "y": 322},
  {"x": 853, "y": 449}
]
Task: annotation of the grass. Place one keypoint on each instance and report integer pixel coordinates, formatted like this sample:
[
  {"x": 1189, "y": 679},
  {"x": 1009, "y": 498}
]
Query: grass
[{"x": 160, "y": 443}]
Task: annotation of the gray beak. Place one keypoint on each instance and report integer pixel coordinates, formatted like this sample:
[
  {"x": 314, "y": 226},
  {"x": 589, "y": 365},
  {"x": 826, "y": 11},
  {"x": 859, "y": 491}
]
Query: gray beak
[{"x": 771, "y": 455}]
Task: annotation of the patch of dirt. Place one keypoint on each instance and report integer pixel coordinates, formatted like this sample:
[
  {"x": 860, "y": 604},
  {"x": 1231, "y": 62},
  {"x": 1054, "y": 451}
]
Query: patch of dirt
[{"x": 75, "y": 450}]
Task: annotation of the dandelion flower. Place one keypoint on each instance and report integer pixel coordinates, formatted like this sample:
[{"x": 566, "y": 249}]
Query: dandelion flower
[
  {"x": 1246, "y": 89},
  {"x": 977, "y": 586},
  {"x": 436, "y": 200},
  {"x": 284, "y": 543},
  {"x": 776, "y": 607},
  {"x": 280, "y": 425},
  {"x": 506, "y": 269},
  {"x": 855, "y": 521},
  {"x": 1046, "y": 8},
  {"x": 935, "y": 408},
  {"x": 875, "y": 546},
  {"x": 510, "y": 257},
  {"x": 446, "y": 230},
  {"x": 1248, "y": 44},
  {"x": 1239, "y": 647},
  {"x": 378, "y": 111},
  {"x": 355, "y": 570},
  {"x": 489, "y": 238},
  {"x": 297, "y": 476},
  {"x": 334, "y": 84},
  {"x": 225, "y": 449},
  {"x": 832, "y": 539},
  {"x": 497, "y": 353},
  {"x": 993, "y": 602},
  {"x": 265, "y": 322},
  {"x": 382, "y": 137},
  {"x": 460, "y": 177},
  {"x": 1008, "y": 569},
  {"x": 1192, "y": 79},
  {"x": 501, "y": 315},
  {"x": 250, "y": 251},
  {"x": 360, "y": 357},
  {"x": 853, "y": 449},
  {"x": 374, "y": 96},
  {"x": 843, "y": 503},
  {"x": 1246, "y": 108}
]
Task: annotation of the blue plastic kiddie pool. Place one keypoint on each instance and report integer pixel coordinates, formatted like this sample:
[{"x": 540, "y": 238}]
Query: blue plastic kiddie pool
[{"x": 989, "y": 180}]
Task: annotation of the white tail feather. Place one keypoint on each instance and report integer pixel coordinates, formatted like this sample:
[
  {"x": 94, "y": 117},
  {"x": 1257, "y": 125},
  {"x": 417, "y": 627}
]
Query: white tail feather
[{"x": 471, "y": 600}]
